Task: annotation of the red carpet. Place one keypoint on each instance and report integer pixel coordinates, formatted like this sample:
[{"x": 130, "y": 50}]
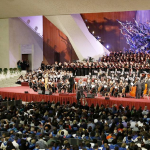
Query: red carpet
[{"x": 18, "y": 93}]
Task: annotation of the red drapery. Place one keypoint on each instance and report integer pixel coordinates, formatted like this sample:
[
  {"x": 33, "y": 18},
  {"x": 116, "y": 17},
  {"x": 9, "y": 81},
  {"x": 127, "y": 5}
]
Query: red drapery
[
  {"x": 37, "y": 98},
  {"x": 71, "y": 98}
]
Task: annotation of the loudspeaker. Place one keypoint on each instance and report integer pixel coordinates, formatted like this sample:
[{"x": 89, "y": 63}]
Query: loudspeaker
[
  {"x": 39, "y": 91},
  {"x": 90, "y": 95},
  {"x": 48, "y": 93},
  {"x": 25, "y": 91},
  {"x": 107, "y": 98}
]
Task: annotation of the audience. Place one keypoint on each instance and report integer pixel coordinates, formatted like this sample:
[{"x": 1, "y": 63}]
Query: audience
[{"x": 49, "y": 126}]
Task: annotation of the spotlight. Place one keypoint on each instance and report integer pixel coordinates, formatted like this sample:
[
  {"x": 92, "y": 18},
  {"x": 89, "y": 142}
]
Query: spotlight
[
  {"x": 107, "y": 46},
  {"x": 93, "y": 32},
  {"x": 36, "y": 28},
  {"x": 88, "y": 27}
]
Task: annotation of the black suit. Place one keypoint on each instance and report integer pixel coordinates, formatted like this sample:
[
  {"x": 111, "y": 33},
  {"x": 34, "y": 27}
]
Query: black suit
[
  {"x": 148, "y": 85},
  {"x": 78, "y": 96},
  {"x": 59, "y": 85},
  {"x": 143, "y": 87},
  {"x": 71, "y": 80},
  {"x": 138, "y": 89}
]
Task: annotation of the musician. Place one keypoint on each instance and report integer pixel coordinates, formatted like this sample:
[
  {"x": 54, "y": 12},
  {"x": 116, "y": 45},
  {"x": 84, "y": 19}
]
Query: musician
[
  {"x": 88, "y": 86},
  {"x": 59, "y": 86},
  {"x": 86, "y": 69},
  {"x": 43, "y": 66},
  {"x": 93, "y": 88},
  {"x": 105, "y": 89},
  {"x": 142, "y": 86},
  {"x": 56, "y": 66},
  {"x": 148, "y": 85},
  {"x": 79, "y": 94},
  {"x": 78, "y": 70},
  {"x": 138, "y": 88},
  {"x": 65, "y": 86},
  {"x": 59, "y": 66},
  {"x": 116, "y": 89},
  {"x": 43, "y": 88},
  {"x": 71, "y": 82},
  {"x": 53, "y": 87},
  {"x": 30, "y": 83},
  {"x": 121, "y": 86}
]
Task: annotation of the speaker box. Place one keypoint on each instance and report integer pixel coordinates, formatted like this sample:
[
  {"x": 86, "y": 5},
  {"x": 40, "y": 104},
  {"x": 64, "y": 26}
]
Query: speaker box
[
  {"x": 39, "y": 91},
  {"x": 90, "y": 95},
  {"x": 48, "y": 93},
  {"x": 107, "y": 98},
  {"x": 25, "y": 91}
]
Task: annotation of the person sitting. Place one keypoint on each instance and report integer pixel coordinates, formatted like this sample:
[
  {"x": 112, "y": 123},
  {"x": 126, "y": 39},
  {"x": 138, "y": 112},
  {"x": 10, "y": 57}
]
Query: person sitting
[{"x": 113, "y": 145}]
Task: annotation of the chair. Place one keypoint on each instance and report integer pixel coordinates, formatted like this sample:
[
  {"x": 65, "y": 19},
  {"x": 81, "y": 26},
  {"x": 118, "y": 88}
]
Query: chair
[
  {"x": 18, "y": 102},
  {"x": 73, "y": 141},
  {"x": 12, "y": 103},
  {"x": 4, "y": 103}
]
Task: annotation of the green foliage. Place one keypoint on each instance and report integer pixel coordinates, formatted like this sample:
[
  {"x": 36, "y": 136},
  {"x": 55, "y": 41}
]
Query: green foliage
[
  {"x": 15, "y": 70},
  {"x": 91, "y": 59},
  {"x": 1, "y": 70},
  {"x": 19, "y": 69},
  {"x": 85, "y": 59},
  {"x": 5, "y": 70},
  {"x": 11, "y": 70}
]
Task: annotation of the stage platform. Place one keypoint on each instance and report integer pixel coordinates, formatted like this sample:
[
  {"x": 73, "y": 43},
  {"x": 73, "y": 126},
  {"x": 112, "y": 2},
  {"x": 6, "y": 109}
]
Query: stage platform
[{"x": 18, "y": 93}]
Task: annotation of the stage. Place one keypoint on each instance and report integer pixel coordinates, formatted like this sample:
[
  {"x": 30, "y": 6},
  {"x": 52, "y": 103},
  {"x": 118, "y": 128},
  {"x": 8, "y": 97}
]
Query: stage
[{"x": 18, "y": 93}]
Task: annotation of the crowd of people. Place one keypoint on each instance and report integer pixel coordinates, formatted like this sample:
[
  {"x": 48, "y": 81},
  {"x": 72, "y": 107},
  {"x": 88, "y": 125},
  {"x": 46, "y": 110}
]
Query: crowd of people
[
  {"x": 114, "y": 75},
  {"x": 23, "y": 65},
  {"x": 49, "y": 126}
]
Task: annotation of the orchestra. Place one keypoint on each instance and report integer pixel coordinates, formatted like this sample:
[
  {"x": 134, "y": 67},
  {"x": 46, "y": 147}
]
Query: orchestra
[{"x": 114, "y": 75}]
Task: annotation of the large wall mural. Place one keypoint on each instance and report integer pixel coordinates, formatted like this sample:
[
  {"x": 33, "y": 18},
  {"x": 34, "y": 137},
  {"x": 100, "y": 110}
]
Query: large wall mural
[
  {"x": 56, "y": 45},
  {"x": 106, "y": 29}
]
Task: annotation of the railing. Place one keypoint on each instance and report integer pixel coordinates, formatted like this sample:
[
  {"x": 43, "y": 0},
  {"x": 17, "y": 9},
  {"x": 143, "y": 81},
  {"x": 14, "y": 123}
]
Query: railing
[{"x": 30, "y": 27}]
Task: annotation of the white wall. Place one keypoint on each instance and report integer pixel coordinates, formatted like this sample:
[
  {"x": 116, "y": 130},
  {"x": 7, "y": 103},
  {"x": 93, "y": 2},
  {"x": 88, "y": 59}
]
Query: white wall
[
  {"x": 98, "y": 49},
  {"x": 4, "y": 43},
  {"x": 20, "y": 34},
  {"x": 35, "y": 21}
]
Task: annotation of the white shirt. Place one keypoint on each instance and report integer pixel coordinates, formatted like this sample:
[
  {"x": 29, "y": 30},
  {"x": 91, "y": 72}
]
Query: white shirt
[
  {"x": 15, "y": 144},
  {"x": 140, "y": 124},
  {"x": 133, "y": 123}
]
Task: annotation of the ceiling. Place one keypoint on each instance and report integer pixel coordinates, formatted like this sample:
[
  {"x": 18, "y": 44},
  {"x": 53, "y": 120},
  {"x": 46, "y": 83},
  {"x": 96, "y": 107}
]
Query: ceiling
[{"x": 19, "y": 8}]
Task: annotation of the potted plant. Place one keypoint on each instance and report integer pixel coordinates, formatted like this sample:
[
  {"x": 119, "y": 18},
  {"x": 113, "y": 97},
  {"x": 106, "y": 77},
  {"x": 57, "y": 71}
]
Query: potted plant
[
  {"x": 5, "y": 70},
  {"x": 1, "y": 70},
  {"x": 11, "y": 70}
]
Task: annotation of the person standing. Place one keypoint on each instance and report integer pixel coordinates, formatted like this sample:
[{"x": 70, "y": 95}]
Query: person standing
[
  {"x": 46, "y": 80},
  {"x": 143, "y": 87},
  {"x": 148, "y": 85},
  {"x": 71, "y": 81},
  {"x": 138, "y": 89},
  {"x": 42, "y": 66}
]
